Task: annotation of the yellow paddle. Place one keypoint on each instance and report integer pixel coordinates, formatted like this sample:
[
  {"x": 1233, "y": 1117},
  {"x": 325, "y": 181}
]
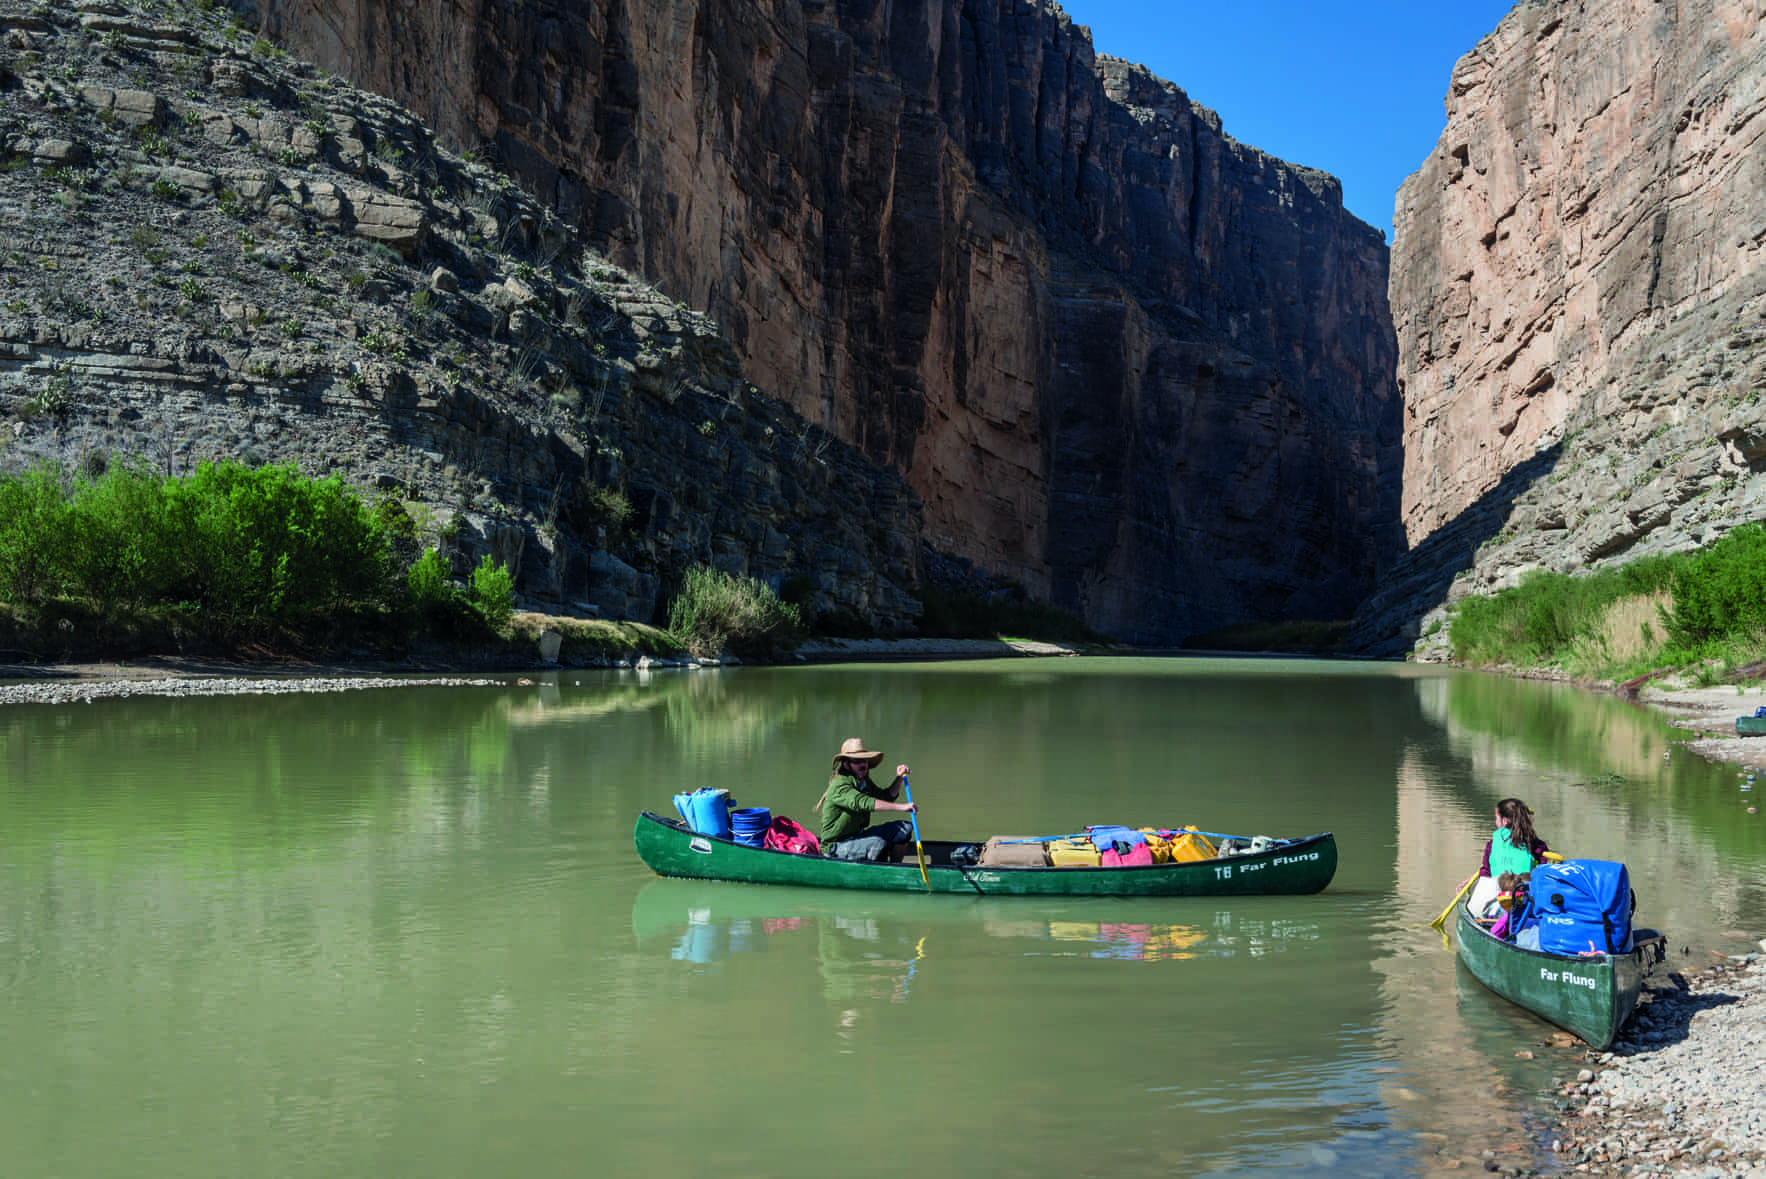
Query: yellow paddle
[
  {"x": 1550, "y": 857},
  {"x": 1463, "y": 889},
  {"x": 908, "y": 793}
]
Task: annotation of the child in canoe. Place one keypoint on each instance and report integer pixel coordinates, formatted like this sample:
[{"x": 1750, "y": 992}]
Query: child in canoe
[{"x": 1513, "y": 847}]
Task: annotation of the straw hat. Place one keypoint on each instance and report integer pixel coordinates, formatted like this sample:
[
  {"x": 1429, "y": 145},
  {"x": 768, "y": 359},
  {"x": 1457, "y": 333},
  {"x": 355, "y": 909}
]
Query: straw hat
[{"x": 854, "y": 750}]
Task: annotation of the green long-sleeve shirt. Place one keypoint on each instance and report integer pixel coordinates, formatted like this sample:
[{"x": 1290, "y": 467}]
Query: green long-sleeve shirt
[{"x": 847, "y": 807}]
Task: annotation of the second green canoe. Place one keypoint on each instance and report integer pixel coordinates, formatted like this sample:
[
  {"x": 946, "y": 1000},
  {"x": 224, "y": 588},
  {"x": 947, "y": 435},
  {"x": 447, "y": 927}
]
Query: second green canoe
[{"x": 1591, "y": 995}]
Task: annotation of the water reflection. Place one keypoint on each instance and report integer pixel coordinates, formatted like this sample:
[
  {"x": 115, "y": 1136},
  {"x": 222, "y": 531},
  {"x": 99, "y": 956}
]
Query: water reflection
[
  {"x": 703, "y": 923},
  {"x": 433, "y": 893}
]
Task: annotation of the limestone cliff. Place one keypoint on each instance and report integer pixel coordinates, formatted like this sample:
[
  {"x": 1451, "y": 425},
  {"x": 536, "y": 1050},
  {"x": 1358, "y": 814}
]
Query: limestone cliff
[
  {"x": 1139, "y": 366},
  {"x": 1574, "y": 286},
  {"x": 213, "y": 251}
]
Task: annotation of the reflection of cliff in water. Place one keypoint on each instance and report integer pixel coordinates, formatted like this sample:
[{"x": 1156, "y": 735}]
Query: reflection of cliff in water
[
  {"x": 699, "y": 708},
  {"x": 1608, "y": 780}
]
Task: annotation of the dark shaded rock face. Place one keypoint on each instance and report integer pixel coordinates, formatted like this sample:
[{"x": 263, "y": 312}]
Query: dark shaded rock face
[{"x": 1141, "y": 367}]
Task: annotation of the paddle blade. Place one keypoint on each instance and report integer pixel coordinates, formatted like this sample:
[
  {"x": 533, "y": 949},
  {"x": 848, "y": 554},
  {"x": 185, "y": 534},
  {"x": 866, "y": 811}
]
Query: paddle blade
[
  {"x": 907, "y": 792},
  {"x": 1438, "y": 922}
]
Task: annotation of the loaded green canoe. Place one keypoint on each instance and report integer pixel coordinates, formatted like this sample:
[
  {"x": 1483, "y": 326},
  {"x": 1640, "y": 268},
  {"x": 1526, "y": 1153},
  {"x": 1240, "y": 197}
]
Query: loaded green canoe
[
  {"x": 1288, "y": 867},
  {"x": 1590, "y": 995},
  {"x": 1750, "y": 726}
]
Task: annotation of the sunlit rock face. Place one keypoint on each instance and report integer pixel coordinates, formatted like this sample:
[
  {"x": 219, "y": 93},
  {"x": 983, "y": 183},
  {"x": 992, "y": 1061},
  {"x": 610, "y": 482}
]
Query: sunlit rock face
[
  {"x": 1143, "y": 368},
  {"x": 1601, "y": 177}
]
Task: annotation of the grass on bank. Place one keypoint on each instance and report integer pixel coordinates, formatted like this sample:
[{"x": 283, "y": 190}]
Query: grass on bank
[
  {"x": 1703, "y": 610},
  {"x": 713, "y": 611}
]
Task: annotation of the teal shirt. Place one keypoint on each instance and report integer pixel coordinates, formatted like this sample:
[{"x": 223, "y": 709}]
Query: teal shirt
[
  {"x": 846, "y": 808},
  {"x": 1506, "y": 857}
]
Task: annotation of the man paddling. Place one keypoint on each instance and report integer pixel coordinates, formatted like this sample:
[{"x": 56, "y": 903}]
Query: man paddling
[{"x": 847, "y": 806}]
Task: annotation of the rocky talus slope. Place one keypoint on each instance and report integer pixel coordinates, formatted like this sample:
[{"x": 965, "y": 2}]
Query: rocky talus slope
[
  {"x": 1141, "y": 367},
  {"x": 209, "y": 249},
  {"x": 1577, "y": 282}
]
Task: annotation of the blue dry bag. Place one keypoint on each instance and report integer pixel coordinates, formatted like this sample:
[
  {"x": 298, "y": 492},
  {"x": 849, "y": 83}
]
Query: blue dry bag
[
  {"x": 1580, "y": 905},
  {"x": 706, "y": 810}
]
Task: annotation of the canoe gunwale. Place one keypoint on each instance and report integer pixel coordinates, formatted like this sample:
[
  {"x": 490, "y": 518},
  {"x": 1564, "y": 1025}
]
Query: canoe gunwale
[{"x": 1300, "y": 866}]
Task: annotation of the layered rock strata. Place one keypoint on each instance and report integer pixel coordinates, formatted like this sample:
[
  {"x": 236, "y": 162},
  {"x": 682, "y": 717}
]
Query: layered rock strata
[
  {"x": 213, "y": 252},
  {"x": 1139, "y": 366},
  {"x": 1575, "y": 280}
]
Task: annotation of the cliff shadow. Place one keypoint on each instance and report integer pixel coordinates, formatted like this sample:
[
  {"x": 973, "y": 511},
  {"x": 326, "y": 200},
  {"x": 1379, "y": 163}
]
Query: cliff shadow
[{"x": 1389, "y": 622}]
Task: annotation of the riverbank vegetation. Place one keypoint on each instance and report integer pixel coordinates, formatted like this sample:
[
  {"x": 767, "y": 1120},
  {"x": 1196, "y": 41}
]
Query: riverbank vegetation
[
  {"x": 714, "y": 610},
  {"x": 116, "y": 558},
  {"x": 1702, "y": 611},
  {"x": 229, "y": 556}
]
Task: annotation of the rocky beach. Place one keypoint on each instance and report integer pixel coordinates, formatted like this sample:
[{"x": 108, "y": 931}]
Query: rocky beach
[
  {"x": 1684, "y": 1089},
  {"x": 62, "y": 683}
]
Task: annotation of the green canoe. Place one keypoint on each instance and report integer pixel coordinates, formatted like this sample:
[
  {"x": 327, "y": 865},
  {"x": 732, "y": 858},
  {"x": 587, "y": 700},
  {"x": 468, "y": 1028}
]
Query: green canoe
[
  {"x": 1291, "y": 867},
  {"x": 1590, "y": 995},
  {"x": 1750, "y": 726}
]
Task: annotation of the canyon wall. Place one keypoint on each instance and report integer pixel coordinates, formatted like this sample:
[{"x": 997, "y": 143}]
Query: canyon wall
[
  {"x": 1576, "y": 273},
  {"x": 214, "y": 252},
  {"x": 1140, "y": 367}
]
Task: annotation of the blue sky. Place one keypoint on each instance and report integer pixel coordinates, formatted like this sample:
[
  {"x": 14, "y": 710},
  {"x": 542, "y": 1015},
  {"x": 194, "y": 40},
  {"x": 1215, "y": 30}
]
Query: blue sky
[{"x": 1355, "y": 89}]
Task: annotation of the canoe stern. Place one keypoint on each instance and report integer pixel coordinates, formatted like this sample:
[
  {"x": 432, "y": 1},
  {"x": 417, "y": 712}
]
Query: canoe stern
[{"x": 1591, "y": 996}]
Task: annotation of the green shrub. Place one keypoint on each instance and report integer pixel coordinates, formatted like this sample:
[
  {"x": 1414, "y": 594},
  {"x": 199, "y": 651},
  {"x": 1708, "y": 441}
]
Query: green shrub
[
  {"x": 35, "y": 510},
  {"x": 714, "y": 610},
  {"x": 123, "y": 543},
  {"x": 1721, "y": 591},
  {"x": 606, "y": 507},
  {"x": 273, "y": 545},
  {"x": 400, "y": 529},
  {"x": 264, "y": 546},
  {"x": 492, "y": 592},
  {"x": 427, "y": 583}
]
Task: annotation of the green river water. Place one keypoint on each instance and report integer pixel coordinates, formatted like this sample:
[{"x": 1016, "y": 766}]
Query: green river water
[{"x": 402, "y": 931}]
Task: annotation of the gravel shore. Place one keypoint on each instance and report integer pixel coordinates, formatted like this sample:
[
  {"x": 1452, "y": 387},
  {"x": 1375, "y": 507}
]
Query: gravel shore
[
  {"x": 1708, "y": 715},
  {"x": 1683, "y": 1091},
  {"x": 59, "y": 683},
  {"x": 85, "y": 692}
]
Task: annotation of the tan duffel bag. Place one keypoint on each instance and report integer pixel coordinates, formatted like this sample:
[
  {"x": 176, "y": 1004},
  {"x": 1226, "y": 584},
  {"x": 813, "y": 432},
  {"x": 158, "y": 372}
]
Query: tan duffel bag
[{"x": 1003, "y": 852}]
